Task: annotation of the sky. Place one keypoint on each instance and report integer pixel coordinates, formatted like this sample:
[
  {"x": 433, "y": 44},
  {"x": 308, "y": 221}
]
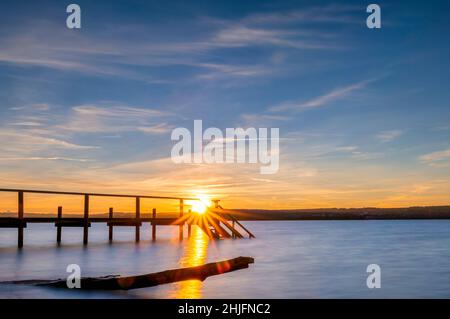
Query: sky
[{"x": 364, "y": 114}]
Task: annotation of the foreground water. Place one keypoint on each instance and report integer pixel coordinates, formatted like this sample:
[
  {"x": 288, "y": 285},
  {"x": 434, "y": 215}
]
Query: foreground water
[{"x": 300, "y": 259}]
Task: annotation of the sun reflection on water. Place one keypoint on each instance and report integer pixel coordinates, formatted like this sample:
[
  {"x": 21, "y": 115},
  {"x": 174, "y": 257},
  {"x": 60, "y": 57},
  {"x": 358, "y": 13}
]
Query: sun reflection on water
[{"x": 194, "y": 254}]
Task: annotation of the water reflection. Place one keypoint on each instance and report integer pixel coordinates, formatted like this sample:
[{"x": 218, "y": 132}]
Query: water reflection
[{"x": 194, "y": 254}]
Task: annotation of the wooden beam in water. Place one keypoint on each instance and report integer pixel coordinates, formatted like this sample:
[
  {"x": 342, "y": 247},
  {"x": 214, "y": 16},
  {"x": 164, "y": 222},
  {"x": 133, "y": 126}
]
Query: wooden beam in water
[{"x": 150, "y": 280}]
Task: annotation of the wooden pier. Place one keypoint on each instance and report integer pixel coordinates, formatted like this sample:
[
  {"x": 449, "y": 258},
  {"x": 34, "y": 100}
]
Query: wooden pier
[{"x": 213, "y": 223}]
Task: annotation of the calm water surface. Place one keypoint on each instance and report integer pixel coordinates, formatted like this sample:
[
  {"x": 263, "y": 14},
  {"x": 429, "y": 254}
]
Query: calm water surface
[{"x": 301, "y": 259}]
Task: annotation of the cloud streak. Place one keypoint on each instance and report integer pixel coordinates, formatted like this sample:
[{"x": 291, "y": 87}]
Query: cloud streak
[
  {"x": 437, "y": 159},
  {"x": 389, "y": 136},
  {"x": 113, "y": 119},
  {"x": 28, "y": 140},
  {"x": 41, "y": 44},
  {"x": 320, "y": 101}
]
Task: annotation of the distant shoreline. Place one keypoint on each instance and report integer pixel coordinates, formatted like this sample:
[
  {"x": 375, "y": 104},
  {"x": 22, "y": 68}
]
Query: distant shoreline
[{"x": 429, "y": 212}]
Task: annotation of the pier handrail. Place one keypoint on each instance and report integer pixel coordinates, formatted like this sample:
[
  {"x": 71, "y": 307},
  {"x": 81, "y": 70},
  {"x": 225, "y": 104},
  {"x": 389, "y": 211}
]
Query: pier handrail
[
  {"x": 242, "y": 226},
  {"x": 91, "y": 194}
]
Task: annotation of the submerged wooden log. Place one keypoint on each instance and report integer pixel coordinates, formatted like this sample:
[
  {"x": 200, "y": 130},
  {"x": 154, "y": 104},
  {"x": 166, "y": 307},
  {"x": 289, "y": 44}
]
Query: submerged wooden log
[{"x": 154, "y": 279}]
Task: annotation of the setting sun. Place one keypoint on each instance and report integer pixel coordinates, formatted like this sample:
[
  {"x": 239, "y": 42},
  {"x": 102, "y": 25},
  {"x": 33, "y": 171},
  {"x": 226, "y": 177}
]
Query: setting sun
[{"x": 201, "y": 205}]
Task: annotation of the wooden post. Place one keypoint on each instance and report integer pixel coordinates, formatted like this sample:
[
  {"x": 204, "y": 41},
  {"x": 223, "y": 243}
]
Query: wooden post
[
  {"x": 181, "y": 215},
  {"x": 189, "y": 225},
  {"x": 138, "y": 217},
  {"x": 86, "y": 220},
  {"x": 154, "y": 225},
  {"x": 111, "y": 213},
  {"x": 58, "y": 228},
  {"x": 20, "y": 211}
]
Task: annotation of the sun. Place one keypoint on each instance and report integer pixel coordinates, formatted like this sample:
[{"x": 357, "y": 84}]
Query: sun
[{"x": 201, "y": 205}]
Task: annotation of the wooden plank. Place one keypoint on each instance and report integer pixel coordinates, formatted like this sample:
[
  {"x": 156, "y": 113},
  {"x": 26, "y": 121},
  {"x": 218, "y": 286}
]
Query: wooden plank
[
  {"x": 72, "y": 223},
  {"x": 11, "y": 222},
  {"x": 170, "y": 221},
  {"x": 125, "y": 223},
  {"x": 166, "y": 222}
]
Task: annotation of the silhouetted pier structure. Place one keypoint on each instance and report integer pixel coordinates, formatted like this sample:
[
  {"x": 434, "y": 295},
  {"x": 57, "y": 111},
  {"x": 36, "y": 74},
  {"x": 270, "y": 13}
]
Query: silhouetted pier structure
[{"x": 213, "y": 223}]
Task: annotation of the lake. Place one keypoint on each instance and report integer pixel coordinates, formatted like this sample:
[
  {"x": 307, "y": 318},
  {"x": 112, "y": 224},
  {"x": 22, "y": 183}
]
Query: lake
[{"x": 293, "y": 259}]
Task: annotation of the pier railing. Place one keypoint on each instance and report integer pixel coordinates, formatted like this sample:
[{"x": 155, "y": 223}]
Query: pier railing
[{"x": 235, "y": 221}]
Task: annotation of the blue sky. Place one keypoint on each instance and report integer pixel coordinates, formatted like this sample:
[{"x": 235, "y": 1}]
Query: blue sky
[{"x": 364, "y": 114}]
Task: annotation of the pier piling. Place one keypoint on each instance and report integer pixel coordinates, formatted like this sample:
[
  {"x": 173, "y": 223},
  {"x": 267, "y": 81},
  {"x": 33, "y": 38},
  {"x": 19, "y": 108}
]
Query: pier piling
[
  {"x": 180, "y": 230},
  {"x": 86, "y": 220},
  {"x": 20, "y": 216},
  {"x": 138, "y": 217},
  {"x": 189, "y": 226},
  {"x": 111, "y": 213},
  {"x": 58, "y": 227},
  {"x": 154, "y": 224}
]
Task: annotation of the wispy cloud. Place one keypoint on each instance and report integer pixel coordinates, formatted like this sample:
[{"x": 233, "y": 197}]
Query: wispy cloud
[
  {"x": 243, "y": 36},
  {"x": 324, "y": 14},
  {"x": 104, "y": 119},
  {"x": 437, "y": 159},
  {"x": 31, "y": 145},
  {"x": 40, "y": 43},
  {"x": 16, "y": 140},
  {"x": 117, "y": 111},
  {"x": 261, "y": 120},
  {"x": 220, "y": 71},
  {"x": 35, "y": 158},
  {"x": 327, "y": 98},
  {"x": 32, "y": 107},
  {"x": 388, "y": 136},
  {"x": 156, "y": 129},
  {"x": 30, "y": 123},
  {"x": 441, "y": 128}
]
